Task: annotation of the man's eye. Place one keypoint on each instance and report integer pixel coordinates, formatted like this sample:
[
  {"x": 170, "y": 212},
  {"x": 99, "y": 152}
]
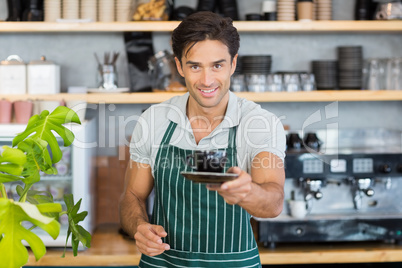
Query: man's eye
[
  {"x": 217, "y": 66},
  {"x": 194, "y": 67}
]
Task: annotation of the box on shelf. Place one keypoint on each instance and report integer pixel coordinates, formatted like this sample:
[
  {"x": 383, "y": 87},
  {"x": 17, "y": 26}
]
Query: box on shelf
[
  {"x": 13, "y": 76},
  {"x": 43, "y": 77}
]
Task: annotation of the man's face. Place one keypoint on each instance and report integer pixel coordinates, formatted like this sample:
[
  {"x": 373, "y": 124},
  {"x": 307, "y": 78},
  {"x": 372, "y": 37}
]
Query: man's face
[{"x": 207, "y": 69}]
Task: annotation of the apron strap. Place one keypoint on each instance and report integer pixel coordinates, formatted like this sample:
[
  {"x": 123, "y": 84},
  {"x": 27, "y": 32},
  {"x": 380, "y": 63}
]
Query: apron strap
[
  {"x": 232, "y": 137},
  {"x": 168, "y": 133},
  {"x": 172, "y": 126}
]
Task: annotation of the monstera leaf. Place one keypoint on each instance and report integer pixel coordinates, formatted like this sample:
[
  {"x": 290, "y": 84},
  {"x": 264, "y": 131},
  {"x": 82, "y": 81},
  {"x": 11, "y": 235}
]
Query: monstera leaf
[
  {"x": 78, "y": 234},
  {"x": 41, "y": 126},
  {"x": 11, "y": 164},
  {"x": 37, "y": 198},
  {"x": 38, "y": 159},
  {"x": 12, "y": 214}
]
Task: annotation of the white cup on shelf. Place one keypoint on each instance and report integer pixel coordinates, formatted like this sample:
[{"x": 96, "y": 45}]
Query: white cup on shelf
[{"x": 298, "y": 209}]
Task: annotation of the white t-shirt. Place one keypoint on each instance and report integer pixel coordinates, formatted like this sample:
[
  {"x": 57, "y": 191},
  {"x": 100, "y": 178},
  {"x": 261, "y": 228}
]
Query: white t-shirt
[{"x": 257, "y": 131}]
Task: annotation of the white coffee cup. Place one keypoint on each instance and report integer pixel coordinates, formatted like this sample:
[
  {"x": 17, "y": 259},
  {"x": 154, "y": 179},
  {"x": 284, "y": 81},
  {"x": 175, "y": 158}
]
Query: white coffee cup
[
  {"x": 269, "y": 6},
  {"x": 298, "y": 209}
]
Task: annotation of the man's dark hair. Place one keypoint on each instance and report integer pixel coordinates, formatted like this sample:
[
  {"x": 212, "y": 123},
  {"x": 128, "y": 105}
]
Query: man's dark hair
[{"x": 204, "y": 25}]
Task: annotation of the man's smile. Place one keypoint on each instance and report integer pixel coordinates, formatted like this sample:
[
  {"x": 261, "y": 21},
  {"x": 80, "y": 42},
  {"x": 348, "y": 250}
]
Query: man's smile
[{"x": 208, "y": 92}]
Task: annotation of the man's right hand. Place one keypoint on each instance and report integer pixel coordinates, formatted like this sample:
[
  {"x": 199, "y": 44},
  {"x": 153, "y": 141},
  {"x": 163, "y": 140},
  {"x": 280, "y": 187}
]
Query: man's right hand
[{"x": 148, "y": 239}]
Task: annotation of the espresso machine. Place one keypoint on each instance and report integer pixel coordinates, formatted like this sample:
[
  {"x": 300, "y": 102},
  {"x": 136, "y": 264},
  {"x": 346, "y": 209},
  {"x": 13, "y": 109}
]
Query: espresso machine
[{"x": 350, "y": 184}]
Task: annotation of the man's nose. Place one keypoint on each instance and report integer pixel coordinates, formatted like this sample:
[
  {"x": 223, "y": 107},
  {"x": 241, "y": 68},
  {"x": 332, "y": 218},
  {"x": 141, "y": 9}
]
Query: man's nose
[{"x": 207, "y": 77}]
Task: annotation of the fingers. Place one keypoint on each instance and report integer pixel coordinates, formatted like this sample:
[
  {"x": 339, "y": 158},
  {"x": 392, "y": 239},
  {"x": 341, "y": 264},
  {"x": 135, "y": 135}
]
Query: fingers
[
  {"x": 236, "y": 190},
  {"x": 235, "y": 170},
  {"x": 242, "y": 183},
  {"x": 244, "y": 179},
  {"x": 214, "y": 187},
  {"x": 148, "y": 239},
  {"x": 159, "y": 230}
]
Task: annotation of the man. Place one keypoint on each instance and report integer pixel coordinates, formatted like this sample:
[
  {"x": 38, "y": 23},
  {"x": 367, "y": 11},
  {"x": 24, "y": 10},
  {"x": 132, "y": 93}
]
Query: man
[{"x": 198, "y": 225}]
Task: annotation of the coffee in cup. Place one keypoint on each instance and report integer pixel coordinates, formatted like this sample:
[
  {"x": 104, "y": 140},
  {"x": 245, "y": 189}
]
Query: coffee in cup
[{"x": 208, "y": 161}]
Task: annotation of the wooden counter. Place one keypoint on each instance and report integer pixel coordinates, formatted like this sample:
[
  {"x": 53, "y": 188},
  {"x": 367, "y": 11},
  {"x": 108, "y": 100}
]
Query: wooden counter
[{"x": 110, "y": 249}]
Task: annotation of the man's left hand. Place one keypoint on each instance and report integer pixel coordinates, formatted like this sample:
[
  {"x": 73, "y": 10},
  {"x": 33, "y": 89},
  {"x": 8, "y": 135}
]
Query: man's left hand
[{"x": 236, "y": 190}]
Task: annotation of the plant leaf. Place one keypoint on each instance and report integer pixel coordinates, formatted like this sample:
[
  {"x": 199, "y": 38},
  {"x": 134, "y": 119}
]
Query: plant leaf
[
  {"x": 78, "y": 233},
  {"x": 14, "y": 253},
  {"x": 69, "y": 200},
  {"x": 74, "y": 244},
  {"x": 43, "y": 125},
  {"x": 75, "y": 209},
  {"x": 80, "y": 216},
  {"x": 36, "y": 197},
  {"x": 38, "y": 159},
  {"x": 49, "y": 207},
  {"x": 12, "y": 161},
  {"x": 82, "y": 236}
]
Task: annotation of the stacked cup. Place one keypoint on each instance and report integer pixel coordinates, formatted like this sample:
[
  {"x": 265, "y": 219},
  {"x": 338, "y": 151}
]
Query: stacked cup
[
  {"x": 106, "y": 10},
  {"x": 88, "y": 9},
  {"x": 315, "y": 9},
  {"x": 326, "y": 73},
  {"x": 324, "y": 9},
  {"x": 256, "y": 68},
  {"x": 52, "y": 10},
  {"x": 123, "y": 10},
  {"x": 71, "y": 9},
  {"x": 286, "y": 10},
  {"x": 269, "y": 10}
]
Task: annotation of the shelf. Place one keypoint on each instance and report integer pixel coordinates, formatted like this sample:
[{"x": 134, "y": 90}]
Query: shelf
[
  {"x": 137, "y": 98},
  {"x": 319, "y": 26},
  {"x": 168, "y": 26}
]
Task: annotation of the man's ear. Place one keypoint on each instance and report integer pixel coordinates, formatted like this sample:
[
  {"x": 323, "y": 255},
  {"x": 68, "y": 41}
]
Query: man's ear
[
  {"x": 178, "y": 65},
  {"x": 234, "y": 64}
]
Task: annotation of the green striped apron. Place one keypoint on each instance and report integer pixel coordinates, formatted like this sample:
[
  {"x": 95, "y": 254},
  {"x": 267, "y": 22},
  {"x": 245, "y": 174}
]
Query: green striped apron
[{"x": 202, "y": 229}]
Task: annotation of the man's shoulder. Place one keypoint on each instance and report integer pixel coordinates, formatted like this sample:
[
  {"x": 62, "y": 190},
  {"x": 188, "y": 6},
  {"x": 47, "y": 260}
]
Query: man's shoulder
[
  {"x": 167, "y": 109},
  {"x": 174, "y": 101},
  {"x": 249, "y": 109}
]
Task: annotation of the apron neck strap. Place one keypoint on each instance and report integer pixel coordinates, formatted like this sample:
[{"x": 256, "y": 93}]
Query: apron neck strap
[
  {"x": 172, "y": 126},
  {"x": 168, "y": 133}
]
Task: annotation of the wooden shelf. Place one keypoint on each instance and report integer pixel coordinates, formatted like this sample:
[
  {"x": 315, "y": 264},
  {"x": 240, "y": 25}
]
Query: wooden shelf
[
  {"x": 137, "y": 98},
  {"x": 319, "y": 26},
  {"x": 111, "y": 249},
  {"x": 168, "y": 26}
]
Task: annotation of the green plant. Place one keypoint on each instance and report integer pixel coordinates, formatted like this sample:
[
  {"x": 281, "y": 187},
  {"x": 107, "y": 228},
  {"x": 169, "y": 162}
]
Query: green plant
[{"x": 36, "y": 149}]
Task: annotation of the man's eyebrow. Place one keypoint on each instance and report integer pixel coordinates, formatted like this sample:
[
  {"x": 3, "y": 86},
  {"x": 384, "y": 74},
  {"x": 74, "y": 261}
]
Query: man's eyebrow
[
  {"x": 192, "y": 62},
  {"x": 220, "y": 61},
  {"x": 197, "y": 63}
]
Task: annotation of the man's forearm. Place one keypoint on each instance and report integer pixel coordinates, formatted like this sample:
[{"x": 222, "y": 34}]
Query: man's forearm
[
  {"x": 132, "y": 212},
  {"x": 264, "y": 201}
]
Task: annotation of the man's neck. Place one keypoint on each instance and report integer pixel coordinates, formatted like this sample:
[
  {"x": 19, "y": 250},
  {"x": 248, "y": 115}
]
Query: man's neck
[{"x": 204, "y": 120}]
